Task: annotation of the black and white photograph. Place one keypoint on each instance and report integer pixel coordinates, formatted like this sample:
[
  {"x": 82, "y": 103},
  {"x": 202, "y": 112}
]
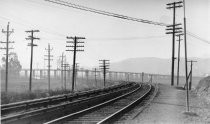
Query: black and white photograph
[{"x": 105, "y": 61}]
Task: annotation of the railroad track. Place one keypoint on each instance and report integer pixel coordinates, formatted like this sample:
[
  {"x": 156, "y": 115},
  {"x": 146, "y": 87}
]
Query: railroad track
[
  {"x": 107, "y": 111},
  {"x": 60, "y": 103},
  {"x": 138, "y": 108},
  {"x": 25, "y": 105}
]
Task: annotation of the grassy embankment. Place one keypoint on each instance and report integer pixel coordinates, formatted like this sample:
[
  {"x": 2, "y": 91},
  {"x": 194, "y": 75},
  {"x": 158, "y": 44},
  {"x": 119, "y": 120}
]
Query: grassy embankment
[{"x": 18, "y": 89}]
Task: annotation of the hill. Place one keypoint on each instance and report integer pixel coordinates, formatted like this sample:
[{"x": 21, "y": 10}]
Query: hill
[
  {"x": 161, "y": 66},
  {"x": 203, "y": 88}
]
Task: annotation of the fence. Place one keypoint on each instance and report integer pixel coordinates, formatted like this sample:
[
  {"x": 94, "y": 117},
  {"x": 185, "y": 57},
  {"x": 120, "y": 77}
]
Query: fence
[{"x": 84, "y": 79}]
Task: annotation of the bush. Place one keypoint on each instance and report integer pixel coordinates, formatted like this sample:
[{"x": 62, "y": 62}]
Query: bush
[{"x": 203, "y": 88}]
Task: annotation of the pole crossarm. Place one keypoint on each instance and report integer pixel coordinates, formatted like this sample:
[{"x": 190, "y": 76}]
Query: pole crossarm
[
  {"x": 181, "y": 34},
  {"x": 178, "y": 28},
  {"x": 192, "y": 61},
  {"x": 75, "y": 44},
  {"x": 174, "y": 32},
  {"x": 178, "y": 24},
  {"x": 177, "y": 6},
  {"x": 179, "y": 2},
  {"x": 29, "y": 31},
  {"x": 6, "y": 49}
]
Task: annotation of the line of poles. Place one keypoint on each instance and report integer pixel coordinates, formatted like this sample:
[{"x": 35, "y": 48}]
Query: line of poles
[{"x": 176, "y": 31}]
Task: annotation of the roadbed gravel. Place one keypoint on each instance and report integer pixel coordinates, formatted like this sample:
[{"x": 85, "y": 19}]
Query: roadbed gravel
[{"x": 169, "y": 107}]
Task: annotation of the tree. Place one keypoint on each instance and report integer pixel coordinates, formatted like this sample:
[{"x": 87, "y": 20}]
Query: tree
[{"x": 13, "y": 64}]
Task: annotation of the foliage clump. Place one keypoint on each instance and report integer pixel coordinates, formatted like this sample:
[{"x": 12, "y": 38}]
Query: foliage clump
[{"x": 203, "y": 88}]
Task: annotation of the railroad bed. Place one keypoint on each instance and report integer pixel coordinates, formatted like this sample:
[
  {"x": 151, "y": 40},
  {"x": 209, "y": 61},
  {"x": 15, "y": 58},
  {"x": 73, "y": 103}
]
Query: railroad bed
[
  {"x": 39, "y": 111},
  {"x": 107, "y": 111}
]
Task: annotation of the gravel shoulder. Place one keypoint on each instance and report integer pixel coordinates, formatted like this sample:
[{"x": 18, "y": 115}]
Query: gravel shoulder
[{"x": 169, "y": 105}]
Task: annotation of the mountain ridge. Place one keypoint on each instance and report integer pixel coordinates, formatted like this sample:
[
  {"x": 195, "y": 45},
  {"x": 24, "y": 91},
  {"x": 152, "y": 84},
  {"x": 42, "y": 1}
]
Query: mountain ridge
[{"x": 161, "y": 65}]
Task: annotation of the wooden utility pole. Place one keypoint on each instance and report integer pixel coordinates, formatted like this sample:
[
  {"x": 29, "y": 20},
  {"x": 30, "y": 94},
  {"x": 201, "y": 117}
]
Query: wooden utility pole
[
  {"x": 128, "y": 76},
  {"x": 82, "y": 71},
  {"x": 150, "y": 78},
  {"x": 65, "y": 66},
  {"x": 190, "y": 74},
  {"x": 49, "y": 58},
  {"x": 174, "y": 30},
  {"x": 8, "y": 32},
  {"x": 76, "y": 71},
  {"x": 75, "y": 45},
  {"x": 95, "y": 75},
  {"x": 104, "y": 66},
  {"x": 178, "y": 60},
  {"x": 32, "y": 38},
  {"x": 62, "y": 58},
  {"x": 186, "y": 71},
  {"x": 142, "y": 77}
]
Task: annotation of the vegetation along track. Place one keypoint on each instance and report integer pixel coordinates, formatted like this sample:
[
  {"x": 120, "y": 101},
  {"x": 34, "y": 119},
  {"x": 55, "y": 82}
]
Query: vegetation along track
[
  {"x": 107, "y": 111},
  {"x": 69, "y": 105}
]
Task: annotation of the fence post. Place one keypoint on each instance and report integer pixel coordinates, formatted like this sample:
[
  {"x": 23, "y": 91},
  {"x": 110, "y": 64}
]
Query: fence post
[
  {"x": 55, "y": 74},
  {"x": 86, "y": 73},
  {"x": 26, "y": 74},
  {"x": 34, "y": 73},
  {"x": 41, "y": 75},
  {"x": 142, "y": 77}
]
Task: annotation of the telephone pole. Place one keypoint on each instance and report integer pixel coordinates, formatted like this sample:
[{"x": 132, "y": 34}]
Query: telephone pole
[
  {"x": 104, "y": 66},
  {"x": 190, "y": 74},
  {"x": 95, "y": 75},
  {"x": 128, "y": 76},
  {"x": 142, "y": 77},
  {"x": 49, "y": 58},
  {"x": 174, "y": 30},
  {"x": 178, "y": 60},
  {"x": 185, "y": 45},
  {"x": 75, "y": 45},
  {"x": 62, "y": 57},
  {"x": 32, "y": 38},
  {"x": 150, "y": 78},
  {"x": 76, "y": 71},
  {"x": 65, "y": 65},
  {"x": 8, "y": 32}
]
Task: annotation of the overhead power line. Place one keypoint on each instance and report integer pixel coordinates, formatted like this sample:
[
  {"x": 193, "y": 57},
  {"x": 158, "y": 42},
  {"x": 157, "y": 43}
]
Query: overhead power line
[
  {"x": 124, "y": 38},
  {"x": 76, "y": 6},
  {"x": 27, "y": 24},
  {"x": 197, "y": 37}
]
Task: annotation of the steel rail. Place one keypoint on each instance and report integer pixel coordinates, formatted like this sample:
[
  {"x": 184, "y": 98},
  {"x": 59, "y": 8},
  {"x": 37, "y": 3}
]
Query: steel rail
[
  {"x": 42, "y": 99},
  {"x": 126, "y": 108},
  {"x": 60, "y": 106},
  {"x": 50, "y": 100},
  {"x": 91, "y": 108}
]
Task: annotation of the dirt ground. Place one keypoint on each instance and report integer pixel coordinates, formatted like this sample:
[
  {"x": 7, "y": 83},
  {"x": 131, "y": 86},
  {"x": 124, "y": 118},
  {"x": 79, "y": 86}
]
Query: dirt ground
[{"x": 169, "y": 105}]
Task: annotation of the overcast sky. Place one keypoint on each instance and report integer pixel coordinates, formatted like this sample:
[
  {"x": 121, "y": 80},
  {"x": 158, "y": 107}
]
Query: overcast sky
[{"x": 106, "y": 37}]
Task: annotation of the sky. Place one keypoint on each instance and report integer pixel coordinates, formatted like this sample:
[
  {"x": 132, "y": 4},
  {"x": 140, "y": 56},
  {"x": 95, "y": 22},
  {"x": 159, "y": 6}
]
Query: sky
[{"x": 106, "y": 37}]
